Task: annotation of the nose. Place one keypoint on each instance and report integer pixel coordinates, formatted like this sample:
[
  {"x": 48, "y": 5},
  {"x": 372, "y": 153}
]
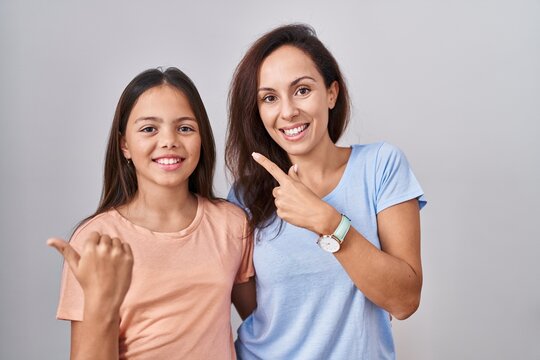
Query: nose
[
  {"x": 168, "y": 139},
  {"x": 289, "y": 110}
]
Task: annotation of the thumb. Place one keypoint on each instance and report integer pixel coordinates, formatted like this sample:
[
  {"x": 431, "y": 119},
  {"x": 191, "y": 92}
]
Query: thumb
[
  {"x": 70, "y": 255},
  {"x": 293, "y": 172}
]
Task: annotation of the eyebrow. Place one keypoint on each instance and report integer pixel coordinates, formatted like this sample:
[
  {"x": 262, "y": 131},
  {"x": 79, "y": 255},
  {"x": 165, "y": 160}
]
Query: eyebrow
[
  {"x": 293, "y": 83},
  {"x": 158, "y": 119}
]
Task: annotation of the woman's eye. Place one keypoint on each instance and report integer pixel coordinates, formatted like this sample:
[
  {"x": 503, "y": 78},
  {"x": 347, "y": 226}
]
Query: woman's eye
[
  {"x": 269, "y": 98},
  {"x": 148, "y": 129},
  {"x": 303, "y": 91}
]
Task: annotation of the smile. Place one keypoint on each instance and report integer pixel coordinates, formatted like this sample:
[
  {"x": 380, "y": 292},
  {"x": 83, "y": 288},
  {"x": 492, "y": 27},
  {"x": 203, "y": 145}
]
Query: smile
[
  {"x": 295, "y": 130},
  {"x": 168, "y": 161}
]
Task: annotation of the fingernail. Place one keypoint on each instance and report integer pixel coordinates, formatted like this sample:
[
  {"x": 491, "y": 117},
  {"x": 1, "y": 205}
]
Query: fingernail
[
  {"x": 295, "y": 168},
  {"x": 255, "y": 155}
]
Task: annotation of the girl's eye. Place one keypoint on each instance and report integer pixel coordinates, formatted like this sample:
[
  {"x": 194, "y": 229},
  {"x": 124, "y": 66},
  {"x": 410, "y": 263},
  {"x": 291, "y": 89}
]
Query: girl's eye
[
  {"x": 148, "y": 129},
  {"x": 269, "y": 98},
  {"x": 185, "y": 129},
  {"x": 303, "y": 91}
]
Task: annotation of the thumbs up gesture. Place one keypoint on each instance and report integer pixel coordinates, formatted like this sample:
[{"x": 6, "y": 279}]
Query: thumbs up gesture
[
  {"x": 296, "y": 203},
  {"x": 103, "y": 268}
]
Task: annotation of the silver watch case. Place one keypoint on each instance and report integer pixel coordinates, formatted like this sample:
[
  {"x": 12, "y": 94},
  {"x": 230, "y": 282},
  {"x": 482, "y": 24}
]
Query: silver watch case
[{"x": 329, "y": 243}]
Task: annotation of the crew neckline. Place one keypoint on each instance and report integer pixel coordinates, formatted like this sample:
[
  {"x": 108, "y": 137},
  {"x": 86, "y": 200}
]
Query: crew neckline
[{"x": 165, "y": 235}]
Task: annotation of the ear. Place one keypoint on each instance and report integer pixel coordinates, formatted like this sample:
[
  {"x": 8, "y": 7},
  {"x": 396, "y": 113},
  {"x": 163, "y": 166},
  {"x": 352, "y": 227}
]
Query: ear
[
  {"x": 124, "y": 147},
  {"x": 332, "y": 94}
]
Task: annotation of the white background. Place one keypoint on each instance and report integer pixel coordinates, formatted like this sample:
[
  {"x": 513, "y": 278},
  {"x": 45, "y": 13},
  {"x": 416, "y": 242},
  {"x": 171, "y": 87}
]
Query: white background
[{"x": 455, "y": 84}]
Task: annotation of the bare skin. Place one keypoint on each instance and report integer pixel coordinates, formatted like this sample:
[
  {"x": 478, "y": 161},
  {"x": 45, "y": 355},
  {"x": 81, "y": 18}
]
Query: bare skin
[
  {"x": 244, "y": 298},
  {"x": 104, "y": 270}
]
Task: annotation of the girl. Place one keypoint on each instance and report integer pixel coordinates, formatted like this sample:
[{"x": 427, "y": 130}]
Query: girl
[
  {"x": 164, "y": 293},
  {"x": 337, "y": 228}
]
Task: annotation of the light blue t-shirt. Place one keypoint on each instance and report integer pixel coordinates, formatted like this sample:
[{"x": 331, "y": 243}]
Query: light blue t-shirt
[{"x": 307, "y": 306}]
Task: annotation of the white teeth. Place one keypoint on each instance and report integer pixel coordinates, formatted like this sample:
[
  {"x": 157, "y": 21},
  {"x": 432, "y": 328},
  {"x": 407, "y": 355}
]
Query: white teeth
[
  {"x": 167, "y": 161},
  {"x": 295, "y": 131}
]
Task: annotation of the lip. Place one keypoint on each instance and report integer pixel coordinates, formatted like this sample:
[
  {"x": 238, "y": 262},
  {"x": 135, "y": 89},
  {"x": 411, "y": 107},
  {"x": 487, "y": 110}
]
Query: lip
[
  {"x": 294, "y": 137},
  {"x": 169, "y": 162}
]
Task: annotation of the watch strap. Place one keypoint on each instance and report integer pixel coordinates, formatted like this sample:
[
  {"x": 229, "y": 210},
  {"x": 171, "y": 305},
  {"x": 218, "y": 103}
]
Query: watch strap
[{"x": 343, "y": 228}]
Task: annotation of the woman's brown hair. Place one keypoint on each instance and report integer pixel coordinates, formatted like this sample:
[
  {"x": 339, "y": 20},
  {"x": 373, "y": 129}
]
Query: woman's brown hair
[
  {"x": 246, "y": 133},
  {"x": 119, "y": 177}
]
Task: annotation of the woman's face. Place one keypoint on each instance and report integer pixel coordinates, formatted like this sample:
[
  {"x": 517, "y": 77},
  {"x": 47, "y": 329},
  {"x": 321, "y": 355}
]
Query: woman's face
[
  {"x": 162, "y": 138},
  {"x": 294, "y": 101}
]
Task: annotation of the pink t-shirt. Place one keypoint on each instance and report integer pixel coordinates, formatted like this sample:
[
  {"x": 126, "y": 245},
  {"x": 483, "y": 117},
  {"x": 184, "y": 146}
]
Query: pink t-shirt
[{"x": 179, "y": 302}]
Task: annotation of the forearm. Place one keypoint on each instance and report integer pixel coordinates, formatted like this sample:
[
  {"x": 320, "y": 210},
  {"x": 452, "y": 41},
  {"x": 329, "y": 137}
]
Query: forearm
[
  {"x": 244, "y": 298},
  {"x": 386, "y": 280},
  {"x": 96, "y": 337},
  {"x": 390, "y": 277}
]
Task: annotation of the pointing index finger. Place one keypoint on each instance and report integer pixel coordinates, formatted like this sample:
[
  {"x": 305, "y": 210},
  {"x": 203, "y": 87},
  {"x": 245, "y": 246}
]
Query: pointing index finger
[{"x": 272, "y": 168}]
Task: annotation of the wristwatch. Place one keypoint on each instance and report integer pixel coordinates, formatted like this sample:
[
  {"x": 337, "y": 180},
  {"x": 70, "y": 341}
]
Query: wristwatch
[{"x": 332, "y": 243}]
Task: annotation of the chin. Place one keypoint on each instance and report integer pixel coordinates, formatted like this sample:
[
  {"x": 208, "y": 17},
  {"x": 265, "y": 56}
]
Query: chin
[{"x": 297, "y": 149}]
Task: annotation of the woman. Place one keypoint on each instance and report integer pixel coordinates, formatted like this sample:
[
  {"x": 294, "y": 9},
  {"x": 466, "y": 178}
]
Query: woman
[{"x": 337, "y": 228}]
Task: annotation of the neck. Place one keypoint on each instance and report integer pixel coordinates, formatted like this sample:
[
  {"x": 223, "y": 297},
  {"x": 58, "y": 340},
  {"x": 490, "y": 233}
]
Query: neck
[
  {"x": 161, "y": 208},
  {"x": 322, "y": 159},
  {"x": 163, "y": 201},
  {"x": 321, "y": 169}
]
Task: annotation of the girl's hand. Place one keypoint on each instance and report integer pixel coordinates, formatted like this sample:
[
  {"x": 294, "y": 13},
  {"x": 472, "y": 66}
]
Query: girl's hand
[
  {"x": 103, "y": 269},
  {"x": 296, "y": 203}
]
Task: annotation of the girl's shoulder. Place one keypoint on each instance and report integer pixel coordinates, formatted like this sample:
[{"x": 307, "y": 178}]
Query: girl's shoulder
[
  {"x": 225, "y": 216},
  {"x": 96, "y": 223},
  {"x": 223, "y": 209}
]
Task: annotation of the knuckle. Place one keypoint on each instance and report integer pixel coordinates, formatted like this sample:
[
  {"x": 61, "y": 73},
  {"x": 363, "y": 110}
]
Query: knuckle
[
  {"x": 89, "y": 248},
  {"x": 128, "y": 260}
]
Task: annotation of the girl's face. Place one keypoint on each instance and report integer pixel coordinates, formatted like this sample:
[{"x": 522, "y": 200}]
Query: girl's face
[
  {"x": 294, "y": 101},
  {"x": 162, "y": 138}
]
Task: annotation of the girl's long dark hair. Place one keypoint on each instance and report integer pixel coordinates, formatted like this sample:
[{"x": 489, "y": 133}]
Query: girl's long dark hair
[
  {"x": 246, "y": 133},
  {"x": 119, "y": 178}
]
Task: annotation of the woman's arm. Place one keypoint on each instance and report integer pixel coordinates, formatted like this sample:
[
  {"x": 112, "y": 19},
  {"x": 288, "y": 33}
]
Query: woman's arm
[
  {"x": 244, "y": 298},
  {"x": 390, "y": 277},
  {"x": 103, "y": 269}
]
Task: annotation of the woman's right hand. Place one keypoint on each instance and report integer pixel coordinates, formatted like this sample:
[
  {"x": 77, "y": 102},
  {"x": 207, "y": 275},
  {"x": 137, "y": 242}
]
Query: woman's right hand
[{"x": 103, "y": 269}]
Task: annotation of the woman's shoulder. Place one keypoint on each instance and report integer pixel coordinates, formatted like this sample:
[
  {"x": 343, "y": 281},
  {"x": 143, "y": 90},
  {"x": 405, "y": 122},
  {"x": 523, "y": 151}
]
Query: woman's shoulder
[
  {"x": 375, "y": 147},
  {"x": 380, "y": 151}
]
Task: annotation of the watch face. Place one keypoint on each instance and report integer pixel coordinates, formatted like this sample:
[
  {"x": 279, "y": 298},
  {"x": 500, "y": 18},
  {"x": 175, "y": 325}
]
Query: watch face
[{"x": 328, "y": 243}]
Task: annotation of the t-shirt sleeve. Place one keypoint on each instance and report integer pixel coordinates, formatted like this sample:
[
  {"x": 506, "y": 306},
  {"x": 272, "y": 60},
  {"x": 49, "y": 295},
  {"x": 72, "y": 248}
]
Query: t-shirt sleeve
[
  {"x": 395, "y": 181},
  {"x": 246, "y": 269},
  {"x": 232, "y": 197},
  {"x": 71, "y": 304}
]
